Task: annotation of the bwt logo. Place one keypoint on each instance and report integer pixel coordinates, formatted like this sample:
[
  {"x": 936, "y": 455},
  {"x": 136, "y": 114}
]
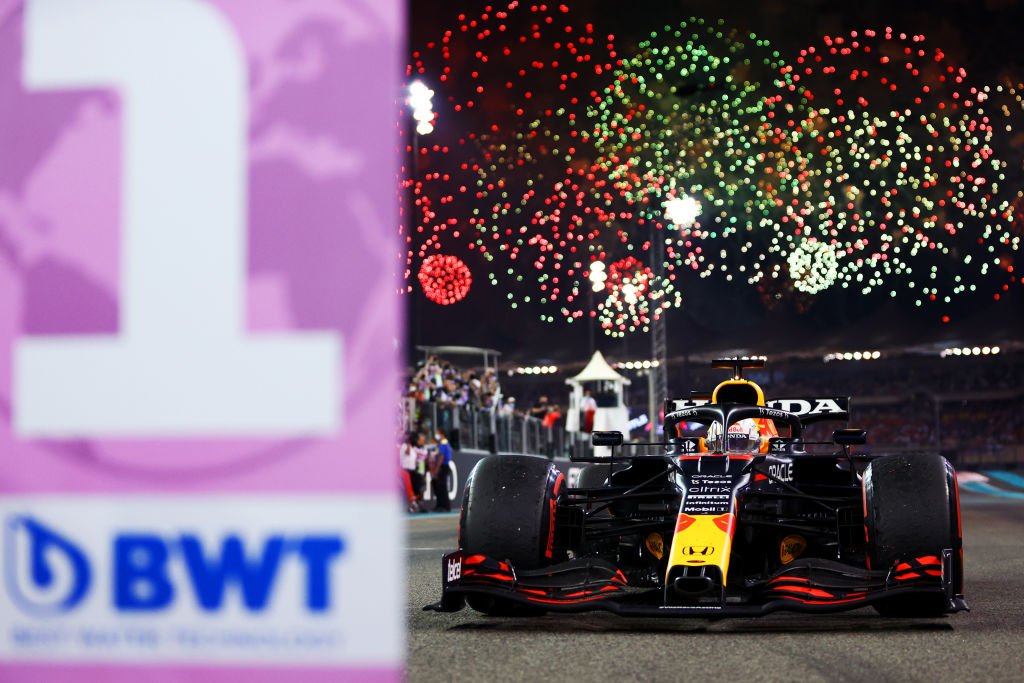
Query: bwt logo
[{"x": 46, "y": 573}]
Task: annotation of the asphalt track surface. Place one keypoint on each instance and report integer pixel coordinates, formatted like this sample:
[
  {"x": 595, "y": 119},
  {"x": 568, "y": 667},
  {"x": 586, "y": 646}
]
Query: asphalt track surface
[{"x": 985, "y": 644}]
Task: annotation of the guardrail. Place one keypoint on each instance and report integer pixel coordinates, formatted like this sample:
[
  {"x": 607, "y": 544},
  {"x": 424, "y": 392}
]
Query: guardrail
[{"x": 479, "y": 429}]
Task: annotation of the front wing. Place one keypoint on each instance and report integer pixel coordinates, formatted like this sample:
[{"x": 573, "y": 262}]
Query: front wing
[{"x": 582, "y": 585}]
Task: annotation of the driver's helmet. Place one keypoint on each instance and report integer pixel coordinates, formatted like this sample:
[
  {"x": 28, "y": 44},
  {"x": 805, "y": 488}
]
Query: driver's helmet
[{"x": 744, "y": 437}]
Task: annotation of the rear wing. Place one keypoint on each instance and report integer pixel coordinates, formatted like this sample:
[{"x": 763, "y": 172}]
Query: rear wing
[{"x": 812, "y": 409}]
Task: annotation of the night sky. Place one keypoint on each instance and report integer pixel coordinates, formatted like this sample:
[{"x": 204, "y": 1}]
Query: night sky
[{"x": 717, "y": 310}]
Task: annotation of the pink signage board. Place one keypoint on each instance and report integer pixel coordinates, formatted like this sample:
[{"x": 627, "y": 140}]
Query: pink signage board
[{"x": 199, "y": 340}]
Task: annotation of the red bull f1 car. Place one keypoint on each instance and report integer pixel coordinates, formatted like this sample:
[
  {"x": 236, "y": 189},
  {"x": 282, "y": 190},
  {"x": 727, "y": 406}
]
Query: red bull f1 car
[{"x": 739, "y": 516}]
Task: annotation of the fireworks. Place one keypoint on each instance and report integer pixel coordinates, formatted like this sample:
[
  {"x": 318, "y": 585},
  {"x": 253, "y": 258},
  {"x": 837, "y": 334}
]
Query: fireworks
[
  {"x": 683, "y": 117},
  {"x": 813, "y": 265},
  {"x": 488, "y": 187},
  {"x": 633, "y": 296},
  {"x": 445, "y": 279},
  {"x": 902, "y": 180},
  {"x": 865, "y": 161}
]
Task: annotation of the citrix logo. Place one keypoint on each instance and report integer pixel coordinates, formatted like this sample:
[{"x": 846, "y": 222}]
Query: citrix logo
[
  {"x": 141, "y": 580},
  {"x": 45, "y": 573}
]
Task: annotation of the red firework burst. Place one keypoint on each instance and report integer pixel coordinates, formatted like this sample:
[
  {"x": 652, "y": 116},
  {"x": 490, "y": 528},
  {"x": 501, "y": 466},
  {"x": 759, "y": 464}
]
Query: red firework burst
[
  {"x": 628, "y": 278},
  {"x": 445, "y": 279}
]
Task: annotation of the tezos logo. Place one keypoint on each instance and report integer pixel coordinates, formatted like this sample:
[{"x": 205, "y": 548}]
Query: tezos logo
[{"x": 45, "y": 573}]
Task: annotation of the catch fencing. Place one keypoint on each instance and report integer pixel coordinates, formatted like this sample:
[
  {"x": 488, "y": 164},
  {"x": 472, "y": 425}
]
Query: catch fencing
[{"x": 483, "y": 430}]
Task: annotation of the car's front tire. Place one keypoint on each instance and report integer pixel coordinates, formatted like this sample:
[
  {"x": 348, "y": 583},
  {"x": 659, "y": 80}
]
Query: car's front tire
[
  {"x": 908, "y": 514},
  {"x": 509, "y": 514}
]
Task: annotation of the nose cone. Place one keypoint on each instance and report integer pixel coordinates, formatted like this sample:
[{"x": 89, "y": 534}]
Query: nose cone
[{"x": 693, "y": 585}]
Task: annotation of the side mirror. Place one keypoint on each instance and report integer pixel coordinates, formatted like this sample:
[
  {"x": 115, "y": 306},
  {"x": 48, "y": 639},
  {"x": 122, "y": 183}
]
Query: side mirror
[
  {"x": 850, "y": 437},
  {"x": 606, "y": 438}
]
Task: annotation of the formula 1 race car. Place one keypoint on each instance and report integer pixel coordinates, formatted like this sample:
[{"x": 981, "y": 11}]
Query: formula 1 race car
[{"x": 736, "y": 518}]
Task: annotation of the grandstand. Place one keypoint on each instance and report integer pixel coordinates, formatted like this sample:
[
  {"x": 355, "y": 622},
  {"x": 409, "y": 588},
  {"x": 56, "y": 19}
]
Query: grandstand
[{"x": 968, "y": 405}]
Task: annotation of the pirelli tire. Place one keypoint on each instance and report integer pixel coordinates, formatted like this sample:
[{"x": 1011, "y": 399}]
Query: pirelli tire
[
  {"x": 593, "y": 476},
  {"x": 508, "y": 513},
  {"x": 910, "y": 511}
]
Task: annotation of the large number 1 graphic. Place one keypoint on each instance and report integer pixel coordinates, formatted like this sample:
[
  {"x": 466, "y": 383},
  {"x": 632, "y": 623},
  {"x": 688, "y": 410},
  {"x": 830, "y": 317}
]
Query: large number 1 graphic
[{"x": 182, "y": 364}]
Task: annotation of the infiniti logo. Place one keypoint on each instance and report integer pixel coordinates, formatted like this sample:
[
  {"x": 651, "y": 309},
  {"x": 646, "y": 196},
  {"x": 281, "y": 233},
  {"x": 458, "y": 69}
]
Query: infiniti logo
[{"x": 45, "y": 573}]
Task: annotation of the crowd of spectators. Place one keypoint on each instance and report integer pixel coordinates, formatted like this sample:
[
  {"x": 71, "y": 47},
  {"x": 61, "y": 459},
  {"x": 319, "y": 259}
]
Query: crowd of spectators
[
  {"x": 901, "y": 377},
  {"x": 440, "y": 383},
  {"x": 958, "y": 425},
  {"x": 897, "y": 377},
  {"x": 417, "y": 458},
  {"x": 912, "y": 402},
  {"x": 982, "y": 424},
  {"x": 435, "y": 391},
  {"x": 910, "y": 425}
]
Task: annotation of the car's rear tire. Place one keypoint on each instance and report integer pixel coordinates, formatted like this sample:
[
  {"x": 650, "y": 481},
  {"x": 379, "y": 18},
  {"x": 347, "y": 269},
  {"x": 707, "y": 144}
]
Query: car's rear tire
[
  {"x": 593, "y": 476},
  {"x": 508, "y": 513},
  {"x": 907, "y": 515}
]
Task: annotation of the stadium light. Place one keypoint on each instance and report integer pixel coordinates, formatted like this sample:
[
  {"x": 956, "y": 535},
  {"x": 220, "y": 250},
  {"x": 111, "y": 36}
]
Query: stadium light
[
  {"x": 537, "y": 370},
  {"x": 852, "y": 355},
  {"x": 637, "y": 364},
  {"x": 969, "y": 351}
]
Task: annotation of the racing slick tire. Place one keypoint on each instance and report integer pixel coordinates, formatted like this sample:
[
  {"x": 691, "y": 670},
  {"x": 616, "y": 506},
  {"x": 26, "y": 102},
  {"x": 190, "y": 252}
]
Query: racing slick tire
[
  {"x": 907, "y": 515},
  {"x": 508, "y": 513},
  {"x": 593, "y": 476}
]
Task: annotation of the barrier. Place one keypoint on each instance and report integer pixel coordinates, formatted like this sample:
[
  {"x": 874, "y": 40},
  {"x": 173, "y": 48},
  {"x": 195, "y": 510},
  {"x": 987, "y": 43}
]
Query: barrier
[
  {"x": 478, "y": 429},
  {"x": 463, "y": 463}
]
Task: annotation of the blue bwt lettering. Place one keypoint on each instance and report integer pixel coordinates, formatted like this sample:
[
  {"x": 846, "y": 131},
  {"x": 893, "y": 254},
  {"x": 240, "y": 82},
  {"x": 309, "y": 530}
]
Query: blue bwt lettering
[
  {"x": 142, "y": 581},
  {"x": 140, "y": 573},
  {"x": 210, "y": 576},
  {"x": 317, "y": 551}
]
